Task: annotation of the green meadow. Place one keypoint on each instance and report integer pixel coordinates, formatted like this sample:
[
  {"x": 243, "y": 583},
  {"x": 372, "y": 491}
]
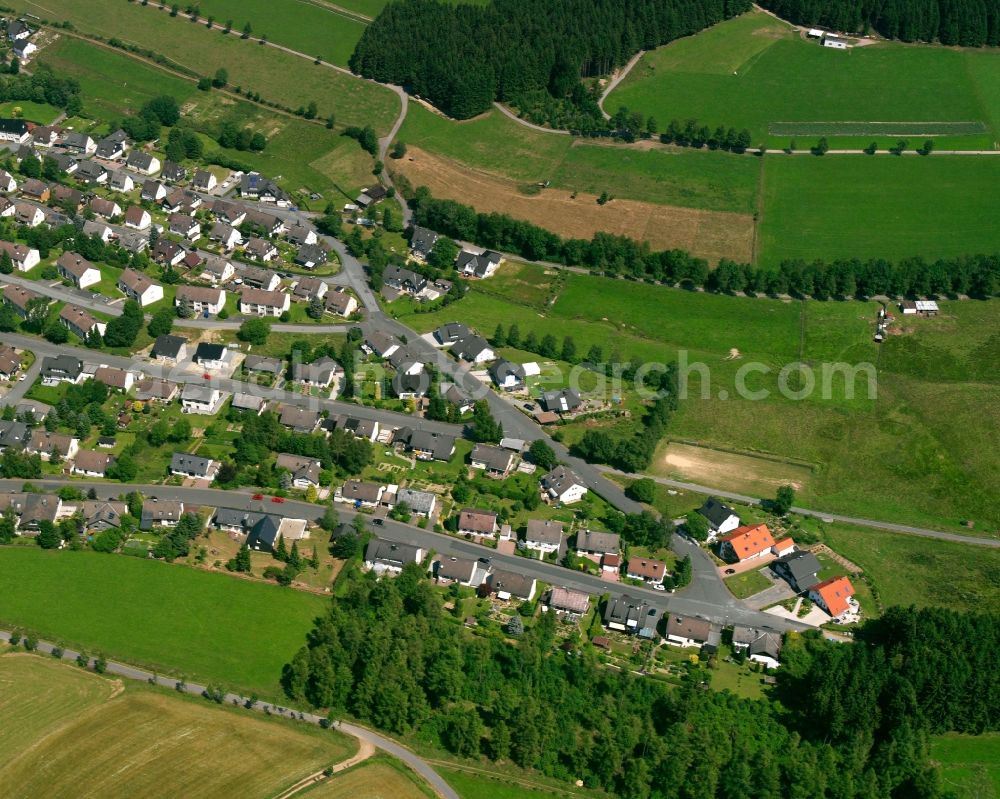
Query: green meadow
[
  {"x": 911, "y": 451},
  {"x": 182, "y": 621},
  {"x": 969, "y": 764},
  {"x": 756, "y": 72}
]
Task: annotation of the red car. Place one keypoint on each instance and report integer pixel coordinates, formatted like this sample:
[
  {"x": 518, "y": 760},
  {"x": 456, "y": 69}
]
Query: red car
[
  {"x": 206, "y": 376},
  {"x": 277, "y": 499},
  {"x": 258, "y": 496}
]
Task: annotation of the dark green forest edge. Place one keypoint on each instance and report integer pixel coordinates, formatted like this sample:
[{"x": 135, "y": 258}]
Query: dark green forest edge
[{"x": 844, "y": 721}]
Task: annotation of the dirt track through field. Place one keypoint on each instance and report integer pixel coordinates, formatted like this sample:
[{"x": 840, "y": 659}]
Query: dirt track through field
[{"x": 709, "y": 234}]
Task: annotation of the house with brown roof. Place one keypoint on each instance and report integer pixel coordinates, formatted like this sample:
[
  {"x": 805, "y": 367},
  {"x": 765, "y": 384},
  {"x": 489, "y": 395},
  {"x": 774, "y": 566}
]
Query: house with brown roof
[
  {"x": 308, "y": 288},
  {"x": 301, "y": 420},
  {"x": 168, "y": 252},
  {"x": 217, "y": 270},
  {"x": 153, "y": 191},
  {"x": 646, "y": 569},
  {"x": 304, "y": 471},
  {"x": 108, "y": 209},
  {"x": 260, "y": 302},
  {"x": 66, "y": 197},
  {"x": 139, "y": 287},
  {"x": 341, "y": 303},
  {"x": 137, "y": 218},
  {"x": 259, "y": 249},
  {"x": 690, "y": 631},
  {"x": 204, "y": 301},
  {"x": 569, "y": 602},
  {"x": 160, "y": 513},
  {"x": 746, "y": 543},
  {"x": 91, "y": 463},
  {"x": 44, "y": 443},
  {"x": 479, "y": 523},
  {"x": 115, "y": 378},
  {"x": 184, "y": 225},
  {"x": 10, "y": 362},
  {"x": 23, "y": 257},
  {"x": 35, "y": 189},
  {"x": 359, "y": 493},
  {"x": 80, "y": 322},
  {"x": 153, "y": 389},
  {"x": 19, "y": 298},
  {"x": 28, "y": 215}
]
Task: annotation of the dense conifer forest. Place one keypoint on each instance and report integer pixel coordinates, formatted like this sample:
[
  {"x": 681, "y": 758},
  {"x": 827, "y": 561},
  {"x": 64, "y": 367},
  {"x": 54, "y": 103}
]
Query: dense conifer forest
[
  {"x": 852, "y": 720},
  {"x": 463, "y": 57},
  {"x": 970, "y": 23}
]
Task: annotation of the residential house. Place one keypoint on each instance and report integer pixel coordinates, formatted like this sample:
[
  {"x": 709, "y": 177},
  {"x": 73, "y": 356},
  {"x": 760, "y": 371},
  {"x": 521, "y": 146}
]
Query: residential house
[
  {"x": 359, "y": 428},
  {"x": 264, "y": 223},
  {"x": 340, "y": 303},
  {"x": 14, "y": 130},
  {"x": 421, "y": 242},
  {"x": 143, "y": 163},
  {"x": 20, "y": 298},
  {"x": 203, "y": 180},
  {"x": 800, "y": 569},
  {"x": 168, "y": 253},
  {"x": 646, "y": 569},
  {"x": 200, "y": 399},
  {"x": 80, "y": 143},
  {"x": 45, "y": 444},
  {"x": 360, "y": 494},
  {"x": 263, "y": 536},
  {"x": 477, "y": 523},
  {"x": 600, "y": 547},
  {"x": 91, "y": 172},
  {"x": 569, "y": 602},
  {"x": 506, "y": 584},
  {"x": 381, "y": 344},
  {"x": 153, "y": 389},
  {"x": 195, "y": 467},
  {"x": 230, "y": 213},
  {"x": 691, "y": 631},
  {"x": 301, "y": 420},
  {"x": 254, "y": 186},
  {"x": 99, "y": 229},
  {"x": 204, "y": 301},
  {"x": 263, "y": 363},
  {"x": 457, "y": 397},
  {"x": 427, "y": 446},
  {"x": 761, "y": 646},
  {"x": 169, "y": 348},
  {"x": 473, "y": 349},
  {"x": 371, "y": 195},
  {"x": 544, "y": 535},
  {"x": 721, "y": 518},
  {"x": 160, "y": 513},
  {"x": 112, "y": 146},
  {"x": 421, "y": 503},
  {"x": 91, "y": 463},
  {"x": 309, "y": 256},
  {"x": 34, "y": 410},
  {"x": 834, "y": 595},
  {"x": 496, "y": 462},
  {"x": 563, "y": 485},
  {"x": 79, "y": 322},
  {"x": 225, "y": 234},
  {"x": 35, "y": 189},
  {"x": 10, "y": 362},
  {"x": 217, "y": 270},
  {"x": 37, "y": 508},
  {"x": 746, "y": 543},
  {"x": 248, "y": 402},
  {"x": 24, "y": 258},
  {"x": 464, "y": 571},
  {"x": 404, "y": 279},
  {"x": 258, "y": 249},
  {"x": 115, "y": 378},
  {"x": 7, "y": 182},
  {"x": 108, "y": 209},
  {"x": 629, "y": 615},
  {"x": 481, "y": 265},
  {"x": 309, "y": 288},
  {"x": 61, "y": 369},
  {"x": 320, "y": 373},
  {"x": 299, "y": 235},
  {"x": 7, "y": 208},
  {"x": 263, "y": 303},
  {"x": 256, "y": 278},
  {"x": 120, "y": 180},
  {"x": 564, "y": 400},
  {"x": 137, "y": 218},
  {"x": 99, "y": 514},
  {"x": 152, "y": 191},
  {"x": 28, "y": 215},
  {"x": 508, "y": 376},
  {"x": 139, "y": 287},
  {"x": 18, "y": 30},
  {"x": 383, "y": 556},
  {"x": 304, "y": 471},
  {"x": 14, "y": 435},
  {"x": 212, "y": 356},
  {"x": 786, "y": 546},
  {"x": 184, "y": 225},
  {"x": 172, "y": 172},
  {"x": 451, "y": 332},
  {"x": 45, "y": 135}
]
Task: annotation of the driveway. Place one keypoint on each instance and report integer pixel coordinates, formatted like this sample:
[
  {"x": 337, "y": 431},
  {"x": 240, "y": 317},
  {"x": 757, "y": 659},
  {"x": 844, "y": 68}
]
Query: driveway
[{"x": 778, "y": 592}]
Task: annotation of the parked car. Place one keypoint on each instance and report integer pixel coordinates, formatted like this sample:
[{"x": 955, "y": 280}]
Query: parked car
[
  {"x": 277, "y": 499},
  {"x": 257, "y": 496}
]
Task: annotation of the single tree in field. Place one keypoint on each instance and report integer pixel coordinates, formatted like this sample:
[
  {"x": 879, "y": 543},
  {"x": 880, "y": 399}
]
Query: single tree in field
[
  {"x": 696, "y": 526},
  {"x": 783, "y": 500}
]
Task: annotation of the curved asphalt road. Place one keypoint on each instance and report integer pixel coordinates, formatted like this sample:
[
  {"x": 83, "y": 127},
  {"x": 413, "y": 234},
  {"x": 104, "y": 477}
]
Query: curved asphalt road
[{"x": 381, "y": 742}]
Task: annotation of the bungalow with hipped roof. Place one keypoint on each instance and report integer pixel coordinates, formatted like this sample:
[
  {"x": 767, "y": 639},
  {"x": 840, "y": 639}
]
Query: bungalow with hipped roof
[{"x": 91, "y": 463}]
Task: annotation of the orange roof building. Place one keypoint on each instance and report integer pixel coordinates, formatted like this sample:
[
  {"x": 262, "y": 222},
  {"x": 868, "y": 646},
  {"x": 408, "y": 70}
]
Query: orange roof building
[
  {"x": 747, "y": 542},
  {"x": 833, "y": 595}
]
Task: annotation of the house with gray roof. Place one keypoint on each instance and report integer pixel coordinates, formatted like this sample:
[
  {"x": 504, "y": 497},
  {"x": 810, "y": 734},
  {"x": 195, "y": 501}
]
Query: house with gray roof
[
  {"x": 193, "y": 466},
  {"x": 800, "y": 569},
  {"x": 383, "y": 556}
]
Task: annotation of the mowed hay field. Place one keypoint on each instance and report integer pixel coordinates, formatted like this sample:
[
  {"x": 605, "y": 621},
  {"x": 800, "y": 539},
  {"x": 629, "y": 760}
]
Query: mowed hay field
[
  {"x": 67, "y": 732},
  {"x": 969, "y": 764},
  {"x": 278, "y": 76},
  {"x": 181, "y": 621},
  {"x": 877, "y": 207},
  {"x": 374, "y": 779},
  {"x": 756, "y": 71},
  {"x": 710, "y": 234},
  {"x": 911, "y": 453}
]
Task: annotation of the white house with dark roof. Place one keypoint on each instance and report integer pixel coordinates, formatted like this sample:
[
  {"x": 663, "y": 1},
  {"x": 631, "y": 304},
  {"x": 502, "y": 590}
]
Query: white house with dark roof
[
  {"x": 201, "y": 399},
  {"x": 544, "y": 535},
  {"x": 142, "y": 162},
  {"x": 720, "y": 517},
  {"x": 563, "y": 485}
]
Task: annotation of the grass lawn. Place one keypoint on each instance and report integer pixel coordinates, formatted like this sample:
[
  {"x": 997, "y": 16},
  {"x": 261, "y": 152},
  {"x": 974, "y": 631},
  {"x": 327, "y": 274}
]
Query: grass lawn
[
  {"x": 278, "y": 76},
  {"x": 42, "y": 113},
  {"x": 969, "y": 764},
  {"x": 916, "y": 571},
  {"x": 185, "y": 622},
  {"x": 747, "y": 584},
  {"x": 876, "y": 207},
  {"x": 377, "y": 777},
  {"x": 755, "y": 72},
  {"x": 487, "y": 785},
  {"x": 73, "y": 732}
]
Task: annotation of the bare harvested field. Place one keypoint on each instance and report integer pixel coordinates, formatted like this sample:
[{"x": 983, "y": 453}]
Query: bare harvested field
[
  {"x": 709, "y": 234},
  {"x": 746, "y": 473}
]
